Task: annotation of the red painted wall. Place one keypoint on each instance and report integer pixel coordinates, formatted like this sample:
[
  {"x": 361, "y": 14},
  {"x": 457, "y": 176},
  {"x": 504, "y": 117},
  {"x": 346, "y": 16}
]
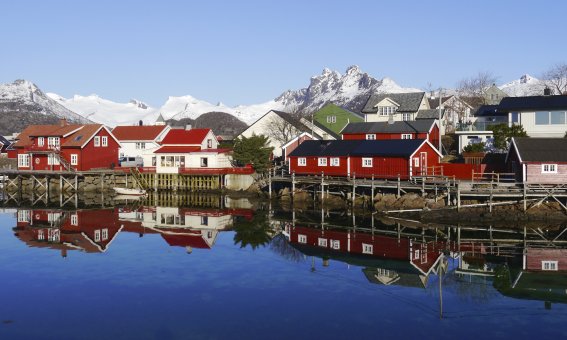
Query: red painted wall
[
  {"x": 294, "y": 145},
  {"x": 92, "y": 157},
  {"x": 382, "y": 136},
  {"x": 461, "y": 170},
  {"x": 382, "y": 167},
  {"x": 313, "y": 168},
  {"x": 535, "y": 256}
]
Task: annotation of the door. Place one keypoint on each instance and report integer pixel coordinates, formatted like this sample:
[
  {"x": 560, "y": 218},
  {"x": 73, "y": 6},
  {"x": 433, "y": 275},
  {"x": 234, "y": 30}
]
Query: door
[{"x": 423, "y": 163}]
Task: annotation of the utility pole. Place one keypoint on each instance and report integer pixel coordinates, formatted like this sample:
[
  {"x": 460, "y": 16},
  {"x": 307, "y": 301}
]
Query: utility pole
[{"x": 439, "y": 122}]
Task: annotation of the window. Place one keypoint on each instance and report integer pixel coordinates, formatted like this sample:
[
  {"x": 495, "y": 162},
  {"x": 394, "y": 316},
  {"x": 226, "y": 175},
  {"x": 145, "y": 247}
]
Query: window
[
  {"x": 322, "y": 161},
  {"x": 53, "y": 142},
  {"x": 74, "y": 159},
  {"x": 301, "y": 238},
  {"x": 40, "y": 141},
  {"x": 209, "y": 143},
  {"x": 386, "y": 110},
  {"x": 24, "y": 216},
  {"x": 97, "y": 141},
  {"x": 336, "y": 244},
  {"x": 549, "y": 168},
  {"x": 335, "y": 161},
  {"x": 515, "y": 116},
  {"x": 549, "y": 265},
  {"x": 367, "y": 162},
  {"x": 40, "y": 235},
  {"x": 301, "y": 161},
  {"x": 204, "y": 162},
  {"x": 74, "y": 219},
  {"x": 331, "y": 119},
  {"x": 97, "y": 235},
  {"x": 104, "y": 234},
  {"x": 140, "y": 145},
  {"x": 406, "y": 116},
  {"x": 24, "y": 161},
  {"x": 371, "y": 136},
  {"x": 406, "y": 136},
  {"x": 204, "y": 220},
  {"x": 416, "y": 161},
  {"x": 322, "y": 242},
  {"x": 557, "y": 117},
  {"x": 367, "y": 248},
  {"x": 52, "y": 159},
  {"x": 104, "y": 140}
]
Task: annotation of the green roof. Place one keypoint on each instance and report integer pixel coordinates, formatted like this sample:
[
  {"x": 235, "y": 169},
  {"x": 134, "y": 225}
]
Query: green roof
[{"x": 342, "y": 117}]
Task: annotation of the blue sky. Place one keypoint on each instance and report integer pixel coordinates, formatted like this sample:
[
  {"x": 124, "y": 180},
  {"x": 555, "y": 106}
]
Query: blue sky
[{"x": 244, "y": 52}]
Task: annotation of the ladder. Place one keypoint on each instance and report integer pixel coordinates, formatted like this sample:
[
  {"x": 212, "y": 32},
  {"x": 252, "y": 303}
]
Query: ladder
[{"x": 142, "y": 183}]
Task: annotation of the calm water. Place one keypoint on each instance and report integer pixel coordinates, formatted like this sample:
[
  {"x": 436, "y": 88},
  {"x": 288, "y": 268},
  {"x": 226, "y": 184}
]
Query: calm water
[{"x": 154, "y": 272}]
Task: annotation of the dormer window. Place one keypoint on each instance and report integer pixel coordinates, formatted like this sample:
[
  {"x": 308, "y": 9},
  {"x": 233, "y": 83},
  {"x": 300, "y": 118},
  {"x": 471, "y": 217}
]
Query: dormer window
[
  {"x": 40, "y": 141},
  {"x": 53, "y": 142},
  {"x": 387, "y": 110},
  {"x": 331, "y": 119}
]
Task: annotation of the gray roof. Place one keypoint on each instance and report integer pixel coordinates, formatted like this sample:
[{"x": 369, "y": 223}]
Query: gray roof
[
  {"x": 423, "y": 125},
  {"x": 409, "y": 102},
  {"x": 160, "y": 119},
  {"x": 541, "y": 149},
  {"x": 326, "y": 129},
  {"x": 429, "y": 114}
]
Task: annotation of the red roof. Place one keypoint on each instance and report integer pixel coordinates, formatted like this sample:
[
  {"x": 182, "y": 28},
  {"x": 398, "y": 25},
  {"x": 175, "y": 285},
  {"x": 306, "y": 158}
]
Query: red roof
[
  {"x": 82, "y": 134},
  {"x": 177, "y": 149},
  {"x": 182, "y": 136},
  {"x": 146, "y": 132}
]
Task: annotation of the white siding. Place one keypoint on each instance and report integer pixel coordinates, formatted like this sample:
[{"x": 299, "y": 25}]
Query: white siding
[{"x": 527, "y": 119}]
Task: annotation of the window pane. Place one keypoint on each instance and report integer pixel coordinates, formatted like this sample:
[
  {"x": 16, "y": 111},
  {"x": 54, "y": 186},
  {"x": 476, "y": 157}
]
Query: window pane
[
  {"x": 542, "y": 118},
  {"x": 557, "y": 117}
]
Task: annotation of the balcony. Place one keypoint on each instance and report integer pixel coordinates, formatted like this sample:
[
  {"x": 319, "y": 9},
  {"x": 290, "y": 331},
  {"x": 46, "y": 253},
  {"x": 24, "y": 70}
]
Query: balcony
[{"x": 480, "y": 125}]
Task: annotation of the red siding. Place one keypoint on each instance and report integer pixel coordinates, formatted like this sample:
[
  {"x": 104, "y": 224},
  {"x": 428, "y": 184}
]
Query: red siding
[
  {"x": 382, "y": 136},
  {"x": 294, "y": 145},
  {"x": 313, "y": 168},
  {"x": 92, "y": 157},
  {"x": 534, "y": 258},
  {"x": 434, "y": 136},
  {"x": 382, "y": 167},
  {"x": 462, "y": 171}
]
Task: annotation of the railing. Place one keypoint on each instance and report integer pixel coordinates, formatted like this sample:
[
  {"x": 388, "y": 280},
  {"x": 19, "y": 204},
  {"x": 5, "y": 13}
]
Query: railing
[
  {"x": 494, "y": 177},
  {"x": 480, "y": 126},
  {"x": 247, "y": 170}
]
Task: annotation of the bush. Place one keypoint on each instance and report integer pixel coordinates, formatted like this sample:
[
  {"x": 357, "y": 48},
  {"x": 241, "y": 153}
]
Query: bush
[{"x": 475, "y": 147}]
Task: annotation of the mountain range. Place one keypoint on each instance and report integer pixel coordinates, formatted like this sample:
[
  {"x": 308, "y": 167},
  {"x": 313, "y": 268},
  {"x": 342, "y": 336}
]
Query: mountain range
[{"x": 23, "y": 103}]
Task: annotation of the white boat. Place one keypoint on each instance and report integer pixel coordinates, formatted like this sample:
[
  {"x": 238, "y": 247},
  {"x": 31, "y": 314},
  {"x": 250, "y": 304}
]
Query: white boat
[{"x": 131, "y": 192}]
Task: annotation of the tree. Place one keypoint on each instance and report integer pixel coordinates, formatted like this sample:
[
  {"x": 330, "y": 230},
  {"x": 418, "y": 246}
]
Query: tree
[
  {"x": 475, "y": 147},
  {"x": 556, "y": 78},
  {"x": 254, "y": 233},
  {"x": 285, "y": 126},
  {"x": 253, "y": 150},
  {"x": 503, "y": 134},
  {"x": 474, "y": 87}
]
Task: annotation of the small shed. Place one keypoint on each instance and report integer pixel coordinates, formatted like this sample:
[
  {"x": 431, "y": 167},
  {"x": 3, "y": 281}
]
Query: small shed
[{"x": 538, "y": 160}]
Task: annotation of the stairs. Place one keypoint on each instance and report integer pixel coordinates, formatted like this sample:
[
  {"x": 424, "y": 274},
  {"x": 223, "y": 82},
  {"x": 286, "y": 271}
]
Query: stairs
[{"x": 142, "y": 183}]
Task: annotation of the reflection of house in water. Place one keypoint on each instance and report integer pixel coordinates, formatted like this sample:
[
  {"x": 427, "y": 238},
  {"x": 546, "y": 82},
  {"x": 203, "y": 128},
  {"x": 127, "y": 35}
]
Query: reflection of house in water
[
  {"x": 387, "y": 259},
  {"x": 91, "y": 231},
  {"x": 183, "y": 227}
]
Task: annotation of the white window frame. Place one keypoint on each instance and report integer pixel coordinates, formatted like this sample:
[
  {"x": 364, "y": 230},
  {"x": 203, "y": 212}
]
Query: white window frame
[
  {"x": 549, "y": 168},
  {"x": 370, "y": 136},
  {"x": 406, "y": 116},
  {"x": 366, "y": 162},
  {"x": 53, "y": 159},
  {"x": 53, "y": 142},
  {"x": 367, "y": 248},
  {"x": 322, "y": 242},
  {"x": 97, "y": 141},
  {"x": 336, "y": 244},
  {"x": 40, "y": 141},
  {"x": 40, "y": 235},
  {"x": 335, "y": 161},
  {"x": 75, "y": 219},
  {"x": 140, "y": 145},
  {"x": 302, "y": 238},
  {"x": 301, "y": 161},
  {"x": 104, "y": 234},
  {"x": 550, "y": 265},
  {"x": 407, "y": 136},
  {"x": 104, "y": 141},
  {"x": 416, "y": 162},
  {"x": 97, "y": 235},
  {"x": 322, "y": 161},
  {"x": 24, "y": 216},
  {"x": 74, "y": 159},
  {"x": 24, "y": 161},
  {"x": 331, "y": 119}
]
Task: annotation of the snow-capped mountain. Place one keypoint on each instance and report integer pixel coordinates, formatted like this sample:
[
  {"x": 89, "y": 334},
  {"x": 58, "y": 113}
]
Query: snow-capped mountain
[
  {"x": 349, "y": 90},
  {"x": 526, "y": 85},
  {"x": 106, "y": 111},
  {"x": 23, "y": 103}
]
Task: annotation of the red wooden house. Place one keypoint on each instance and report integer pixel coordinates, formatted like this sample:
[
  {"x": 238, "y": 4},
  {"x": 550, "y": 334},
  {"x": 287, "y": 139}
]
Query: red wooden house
[
  {"x": 538, "y": 160},
  {"x": 418, "y": 129},
  {"x": 365, "y": 158},
  {"x": 66, "y": 147},
  {"x": 386, "y": 258}
]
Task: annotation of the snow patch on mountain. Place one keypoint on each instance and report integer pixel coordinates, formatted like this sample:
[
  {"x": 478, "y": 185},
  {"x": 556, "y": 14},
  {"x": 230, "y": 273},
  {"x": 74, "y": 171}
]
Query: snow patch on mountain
[{"x": 526, "y": 85}]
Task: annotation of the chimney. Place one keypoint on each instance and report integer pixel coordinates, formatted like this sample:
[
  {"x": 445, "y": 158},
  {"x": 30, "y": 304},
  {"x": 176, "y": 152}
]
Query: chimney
[
  {"x": 391, "y": 119},
  {"x": 188, "y": 127},
  {"x": 62, "y": 122},
  {"x": 140, "y": 123},
  {"x": 547, "y": 91}
]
